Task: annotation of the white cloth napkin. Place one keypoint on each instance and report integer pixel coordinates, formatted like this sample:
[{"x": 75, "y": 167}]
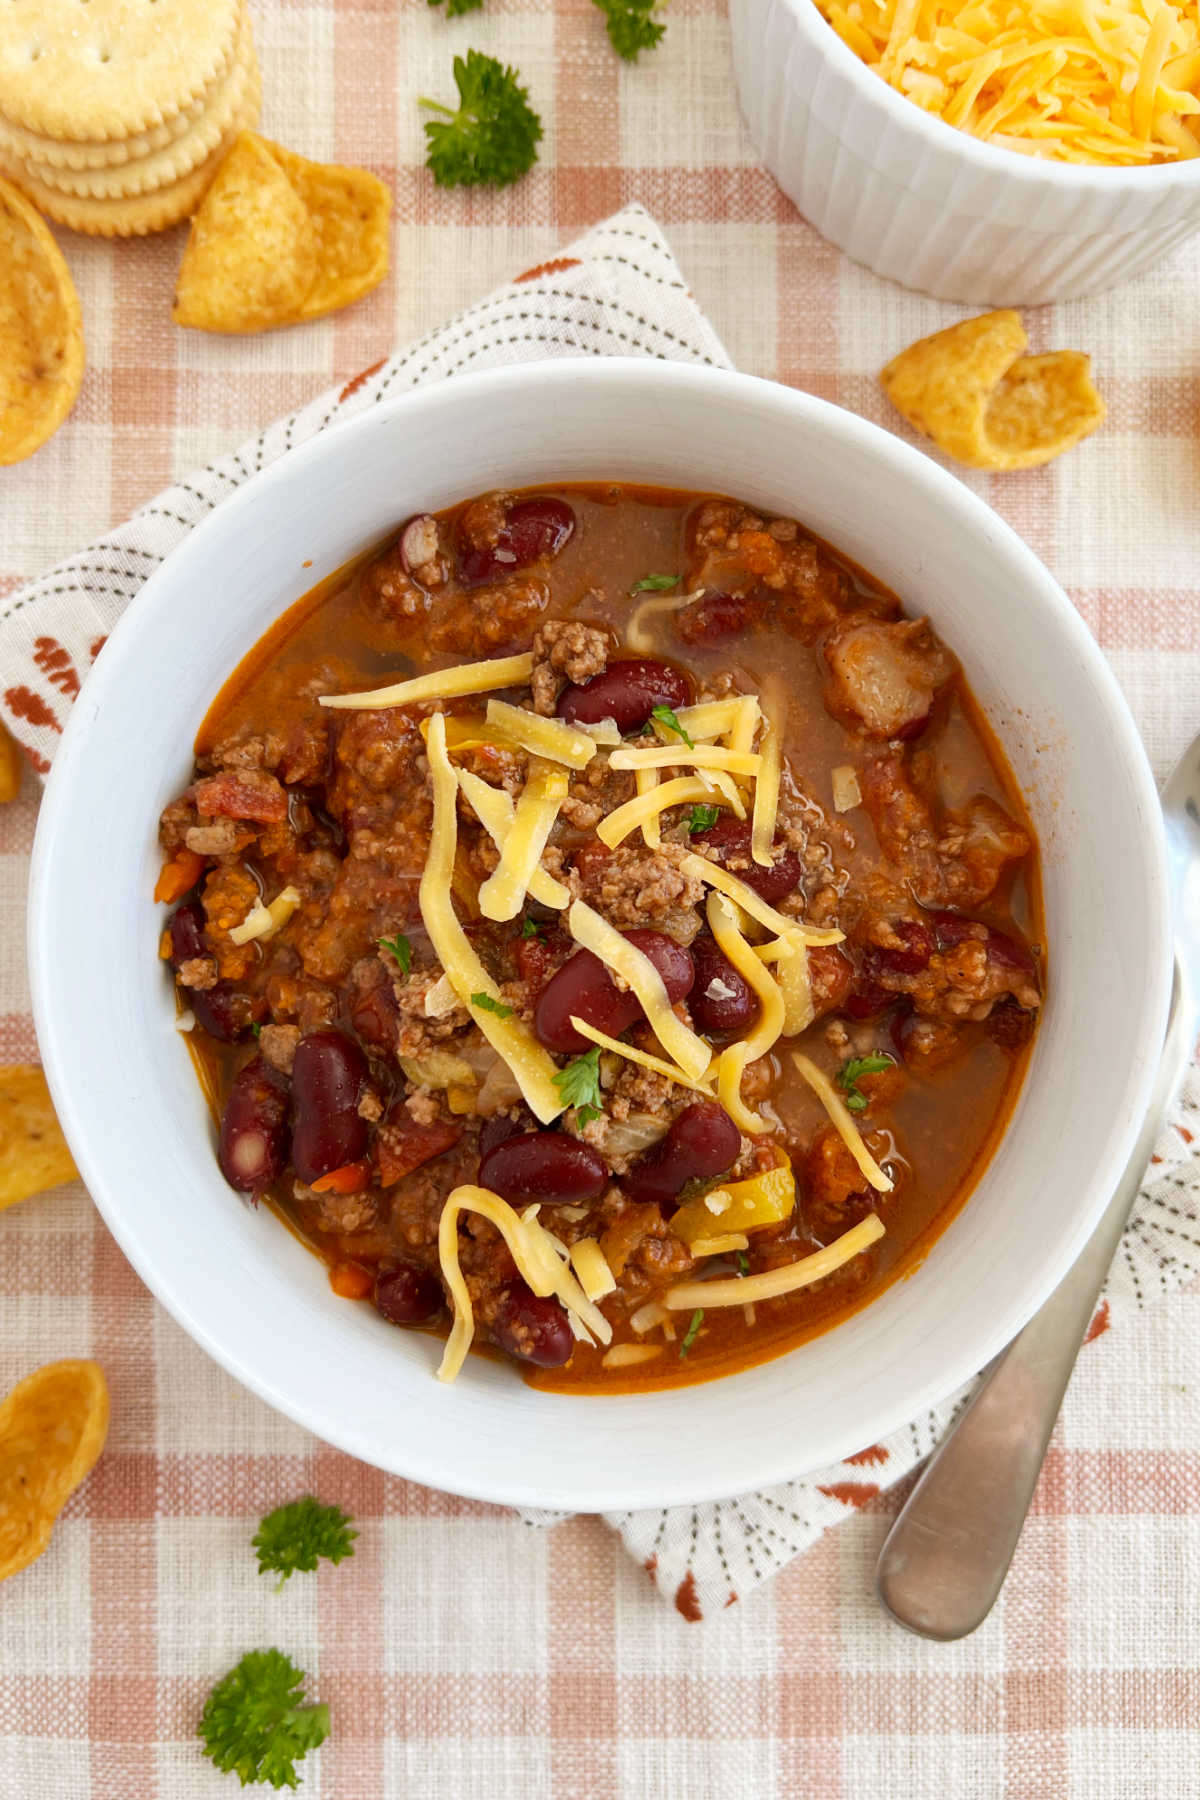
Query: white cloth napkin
[{"x": 616, "y": 291}]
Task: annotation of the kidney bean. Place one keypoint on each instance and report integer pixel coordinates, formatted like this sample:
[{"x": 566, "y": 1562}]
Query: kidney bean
[
  {"x": 951, "y": 929},
  {"x": 223, "y": 1011},
  {"x": 408, "y": 1295},
  {"x": 912, "y": 955},
  {"x": 252, "y": 1149},
  {"x": 701, "y": 1144},
  {"x": 327, "y": 1078},
  {"x": 718, "y": 616},
  {"x": 532, "y": 529},
  {"x": 532, "y": 1328},
  {"x": 584, "y": 987},
  {"x": 186, "y": 932},
  {"x": 544, "y": 1165},
  {"x": 496, "y": 1131},
  {"x": 732, "y": 838},
  {"x": 627, "y": 691},
  {"x": 721, "y": 1002}
]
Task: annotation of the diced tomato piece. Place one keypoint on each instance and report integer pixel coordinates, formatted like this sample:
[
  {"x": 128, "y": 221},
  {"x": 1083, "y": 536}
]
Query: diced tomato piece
[
  {"x": 401, "y": 1145},
  {"x": 241, "y": 794}
]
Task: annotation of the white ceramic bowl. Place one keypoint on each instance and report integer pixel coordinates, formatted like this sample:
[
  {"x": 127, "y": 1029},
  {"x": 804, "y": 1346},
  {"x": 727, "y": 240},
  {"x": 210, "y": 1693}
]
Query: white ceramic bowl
[
  {"x": 927, "y": 205},
  {"x": 130, "y": 1102}
]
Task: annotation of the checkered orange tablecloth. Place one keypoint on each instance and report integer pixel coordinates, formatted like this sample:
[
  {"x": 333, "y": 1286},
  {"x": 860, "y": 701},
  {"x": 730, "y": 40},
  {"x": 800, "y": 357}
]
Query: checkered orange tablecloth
[{"x": 462, "y": 1651}]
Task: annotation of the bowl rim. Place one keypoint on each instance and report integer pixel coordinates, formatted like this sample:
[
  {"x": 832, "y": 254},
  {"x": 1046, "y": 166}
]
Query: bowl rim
[
  {"x": 993, "y": 159},
  {"x": 488, "y": 388}
]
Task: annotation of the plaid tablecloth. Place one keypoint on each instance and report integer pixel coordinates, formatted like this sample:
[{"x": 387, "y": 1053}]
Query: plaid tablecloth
[{"x": 461, "y": 1650}]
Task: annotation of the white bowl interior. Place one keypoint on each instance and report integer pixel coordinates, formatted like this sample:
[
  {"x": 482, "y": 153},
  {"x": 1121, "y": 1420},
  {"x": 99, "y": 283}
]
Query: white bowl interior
[{"x": 124, "y": 1083}]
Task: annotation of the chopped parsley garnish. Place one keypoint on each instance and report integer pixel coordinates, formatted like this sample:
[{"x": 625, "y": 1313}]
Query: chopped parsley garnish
[
  {"x": 485, "y": 1003},
  {"x": 669, "y": 722},
  {"x": 400, "y": 948},
  {"x": 256, "y": 1028},
  {"x": 455, "y": 8},
  {"x": 702, "y": 817},
  {"x": 530, "y": 928},
  {"x": 654, "y": 584},
  {"x": 743, "y": 1263},
  {"x": 579, "y": 1086},
  {"x": 255, "y": 1724},
  {"x": 492, "y": 137},
  {"x": 631, "y": 26},
  {"x": 294, "y": 1536},
  {"x": 849, "y": 1073},
  {"x": 692, "y": 1332}
]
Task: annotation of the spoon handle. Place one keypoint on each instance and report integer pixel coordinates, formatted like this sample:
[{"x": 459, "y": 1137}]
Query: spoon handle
[{"x": 944, "y": 1561}]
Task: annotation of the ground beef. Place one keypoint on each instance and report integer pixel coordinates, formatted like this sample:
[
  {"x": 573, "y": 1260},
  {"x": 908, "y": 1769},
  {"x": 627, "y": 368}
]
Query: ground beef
[
  {"x": 634, "y": 886},
  {"x": 417, "y": 1033},
  {"x": 229, "y": 893},
  {"x": 198, "y": 972},
  {"x": 490, "y": 618},
  {"x": 339, "y": 1213},
  {"x": 565, "y": 649},
  {"x": 277, "y": 1046},
  {"x": 223, "y": 837}
]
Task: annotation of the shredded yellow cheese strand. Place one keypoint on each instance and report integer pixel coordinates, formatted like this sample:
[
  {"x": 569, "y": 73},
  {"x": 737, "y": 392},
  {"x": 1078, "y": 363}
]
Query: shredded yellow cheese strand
[
  {"x": 550, "y": 738},
  {"x": 637, "y": 636},
  {"x": 701, "y": 869},
  {"x": 742, "y": 1289},
  {"x": 723, "y": 923},
  {"x": 766, "y": 788},
  {"x": 643, "y": 1058},
  {"x": 646, "y": 780},
  {"x": 791, "y": 972},
  {"x": 843, "y": 1121},
  {"x": 531, "y": 1065},
  {"x": 502, "y": 895},
  {"x": 263, "y": 922},
  {"x": 681, "y": 791},
  {"x": 731, "y": 1066},
  {"x": 440, "y": 684},
  {"x": 495, "y": 811},
  {"x": 709, "y": 719},
  {"x": 594, "y": 933},
  {"x": 703, "y": 756}
]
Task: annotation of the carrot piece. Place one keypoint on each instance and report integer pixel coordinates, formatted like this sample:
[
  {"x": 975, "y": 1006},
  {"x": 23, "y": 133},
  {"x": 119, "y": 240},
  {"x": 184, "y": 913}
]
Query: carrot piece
[
  {"x": 346, "y": 1180},
  {"x": 350, "y": 1281},
  {"x": 178, "y": 876}
]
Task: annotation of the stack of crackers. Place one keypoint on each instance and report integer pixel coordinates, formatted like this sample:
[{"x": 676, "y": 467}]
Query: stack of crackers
[{"x": 114, "y": 117}]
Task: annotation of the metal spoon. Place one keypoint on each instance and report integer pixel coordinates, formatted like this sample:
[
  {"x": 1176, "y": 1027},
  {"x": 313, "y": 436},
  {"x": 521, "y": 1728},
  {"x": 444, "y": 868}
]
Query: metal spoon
[{"x": 944, "y": 1561}]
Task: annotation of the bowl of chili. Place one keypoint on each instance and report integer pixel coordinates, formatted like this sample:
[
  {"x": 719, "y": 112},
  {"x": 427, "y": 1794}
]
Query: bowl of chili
[{"x": 488, "y": 519}]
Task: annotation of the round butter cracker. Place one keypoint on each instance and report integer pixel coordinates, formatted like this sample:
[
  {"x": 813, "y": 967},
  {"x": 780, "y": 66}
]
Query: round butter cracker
[
  {"x": 111, "y": 67},
  {"x": 44, "y": 153},
  {"x": 149, "y": 174},
  {"x": 141, "y": 214}
]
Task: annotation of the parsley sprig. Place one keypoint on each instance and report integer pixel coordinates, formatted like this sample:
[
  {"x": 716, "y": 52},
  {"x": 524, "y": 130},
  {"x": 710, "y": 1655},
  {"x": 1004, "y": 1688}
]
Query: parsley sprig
[
  {"x": 485, "y": 1003},
  {"x": 456, "y": 8},
  {"x": 255, "y": 1724},
  {"x": 631, "y": 26},
  {"x": 667, "y": 719},
  {"x": 530, "y": 928},
  {"x": 400, "y": 948},
  {"x": 491, "y": 138},
  {"x": 692, "y": 1332},
  {"x": 654, "y": 584},
  {"x": 294, "y": 1536},
  {"x": 579, "y": 1086},
  {"x": 702, "y": 817},
  {"x": 850, "y": 1072}
]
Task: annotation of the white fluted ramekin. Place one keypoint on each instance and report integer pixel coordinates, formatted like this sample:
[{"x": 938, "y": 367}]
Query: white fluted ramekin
[{"x": 927, "y": 205}]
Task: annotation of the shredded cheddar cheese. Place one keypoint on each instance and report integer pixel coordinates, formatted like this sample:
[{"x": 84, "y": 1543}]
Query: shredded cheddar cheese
[
  {"x": 440, "y": 684},
  {"x": 843, "y": 1121},
  {"x": 1090, "y": 81},
  {"x": 617, "y": 953},
  {"x": 743, "y": 1289},
  {"x": 503, "y": 893},
  {"x": 263, "y": 922},
  {"x": 643, "y": 1058}
]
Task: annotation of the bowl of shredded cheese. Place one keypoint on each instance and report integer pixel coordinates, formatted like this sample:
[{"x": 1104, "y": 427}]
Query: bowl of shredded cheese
[{"x": 1004, "y": 151}]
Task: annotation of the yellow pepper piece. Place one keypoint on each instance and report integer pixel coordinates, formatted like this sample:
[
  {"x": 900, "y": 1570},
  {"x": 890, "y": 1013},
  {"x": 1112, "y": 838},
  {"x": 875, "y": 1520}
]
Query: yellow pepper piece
[{"x": 764, "y": 1199}]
